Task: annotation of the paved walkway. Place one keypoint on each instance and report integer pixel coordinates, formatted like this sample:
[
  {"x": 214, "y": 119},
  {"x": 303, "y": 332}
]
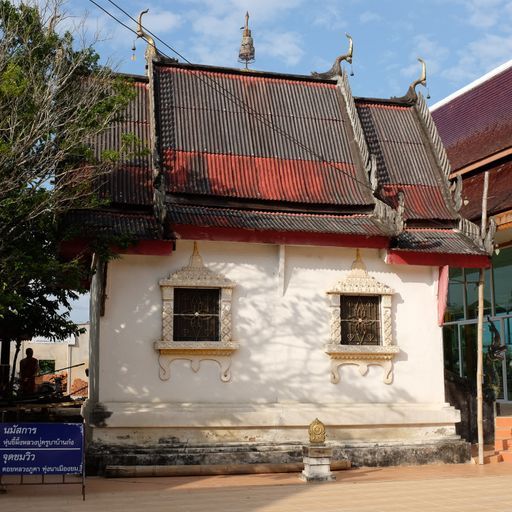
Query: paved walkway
[{"x": 461, "y": 488}]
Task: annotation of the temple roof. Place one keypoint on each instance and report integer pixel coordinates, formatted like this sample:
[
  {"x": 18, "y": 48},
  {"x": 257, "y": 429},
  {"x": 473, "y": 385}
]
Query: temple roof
[
  {"x": 266, "y": 152},
  {"x": 477, "y": 122},
  {"x": 236, "y": 135},
  {"x": 445, "y": 241},
  {"x": 277, "y": 221},
  {"x": 499, "y": 198}
]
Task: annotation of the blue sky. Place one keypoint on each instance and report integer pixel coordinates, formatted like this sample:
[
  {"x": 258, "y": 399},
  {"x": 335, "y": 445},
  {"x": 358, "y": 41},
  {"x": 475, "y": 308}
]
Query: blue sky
[{"x": 459, "y": 39}]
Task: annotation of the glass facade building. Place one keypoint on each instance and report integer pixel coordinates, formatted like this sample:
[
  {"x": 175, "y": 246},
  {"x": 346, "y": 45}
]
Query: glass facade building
[{"x": 460, "y": 327}]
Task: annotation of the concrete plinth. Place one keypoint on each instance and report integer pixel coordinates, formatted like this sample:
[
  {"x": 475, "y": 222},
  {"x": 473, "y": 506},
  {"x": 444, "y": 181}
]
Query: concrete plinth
[{"x": 317, "y": 464}]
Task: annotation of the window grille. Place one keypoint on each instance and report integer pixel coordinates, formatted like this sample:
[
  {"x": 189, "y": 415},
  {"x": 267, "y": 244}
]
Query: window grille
[
  {"x": 196, "y": 314},
  {"x": 360, "y": 320}
]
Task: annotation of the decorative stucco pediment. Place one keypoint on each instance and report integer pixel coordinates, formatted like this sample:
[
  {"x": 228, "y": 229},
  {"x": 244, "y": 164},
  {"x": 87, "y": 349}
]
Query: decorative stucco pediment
[
  {"x": 196, "y": 275},
  {"x": 359, "y": 282}
]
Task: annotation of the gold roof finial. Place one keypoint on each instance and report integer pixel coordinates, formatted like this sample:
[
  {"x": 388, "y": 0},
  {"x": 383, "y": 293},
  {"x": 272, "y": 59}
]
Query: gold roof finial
[
  {"x": 335, "y": 70},
  {"x": 422, "y": 80},
  {"x": 247, "y": 52},
  {"x": 151, "y": 49},
  {"x": 412, "y": 95}
]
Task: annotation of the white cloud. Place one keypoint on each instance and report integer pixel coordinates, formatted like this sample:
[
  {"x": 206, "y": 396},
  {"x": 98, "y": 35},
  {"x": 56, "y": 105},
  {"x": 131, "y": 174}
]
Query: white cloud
[
  {"x": 209, "y": 25},
  {"x": 217, "y": 37},
  {"x": 369, "y": 16},
  {"x": 330, "y": 16},
  {"x": 484, "y": 14},
  {"x": 161, "y": 21},
  {"x": 260, "y": 11},
  {"x": 285, "y": 46},
  {"x": 80, "y": 309},
  {"x": 480, "y": 56},
  {"x": 431, "y": 51}
]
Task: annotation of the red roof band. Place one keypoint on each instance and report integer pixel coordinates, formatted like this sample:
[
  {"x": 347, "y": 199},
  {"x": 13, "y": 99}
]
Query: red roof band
[{"x": 280, "y": 157}]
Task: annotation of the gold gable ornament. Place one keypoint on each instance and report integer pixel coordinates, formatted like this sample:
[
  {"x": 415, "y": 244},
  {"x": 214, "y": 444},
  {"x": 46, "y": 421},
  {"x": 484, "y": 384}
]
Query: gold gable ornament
[{"x": 316, "y": 432}]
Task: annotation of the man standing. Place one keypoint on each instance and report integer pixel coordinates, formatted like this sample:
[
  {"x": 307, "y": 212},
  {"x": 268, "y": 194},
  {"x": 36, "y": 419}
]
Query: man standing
[{"x": 29, "y": 366}]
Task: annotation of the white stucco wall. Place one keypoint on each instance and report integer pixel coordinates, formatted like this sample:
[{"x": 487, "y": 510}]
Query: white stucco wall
[{"x": 282, "y": 323}]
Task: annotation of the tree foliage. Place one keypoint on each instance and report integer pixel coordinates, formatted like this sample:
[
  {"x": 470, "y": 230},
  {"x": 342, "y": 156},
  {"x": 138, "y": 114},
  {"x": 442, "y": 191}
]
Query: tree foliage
[{"x": 55, "y": 99}]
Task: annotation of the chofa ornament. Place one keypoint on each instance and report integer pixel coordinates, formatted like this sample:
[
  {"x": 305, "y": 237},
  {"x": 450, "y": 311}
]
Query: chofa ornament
[{"x": 316, "y": 432}]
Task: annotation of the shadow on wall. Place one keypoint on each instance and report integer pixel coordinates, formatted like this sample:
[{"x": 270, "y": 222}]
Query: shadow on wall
[{"x": 282, "y": 327}]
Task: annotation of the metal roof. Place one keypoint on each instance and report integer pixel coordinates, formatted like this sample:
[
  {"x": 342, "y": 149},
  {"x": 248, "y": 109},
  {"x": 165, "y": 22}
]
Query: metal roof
[
  {"x": 271, "y": 179},
  {"x": 267, "y": 152},
  {"x": 138, "y": 225},
  {"x": 477, "y": 123},
  {"x": 499, "y": 198},
  {"x": 421, "y": 202},
  {"x": 293, "y": 133},
  {"x": 405, "y": 160},
  {"x": 363, "y": 225},
  {"x": 131, "y": 181},
  {"x": 443, "y": 241}
]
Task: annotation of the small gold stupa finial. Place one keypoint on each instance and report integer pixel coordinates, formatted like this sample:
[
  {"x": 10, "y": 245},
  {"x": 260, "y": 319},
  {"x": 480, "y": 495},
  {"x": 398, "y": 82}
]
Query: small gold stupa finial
[
  {"x": 247, "y": 52},
  {"x": 316, "y": 432}
]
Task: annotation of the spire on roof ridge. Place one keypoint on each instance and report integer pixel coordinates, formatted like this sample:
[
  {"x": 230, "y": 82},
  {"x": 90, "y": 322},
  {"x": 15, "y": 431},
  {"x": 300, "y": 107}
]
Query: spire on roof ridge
[
  {"x": 247, "y": 52},
  {"x": 412, "y": 96},
  {"x": 151, "y": 49},
  {"x": 335, "y": 70}
]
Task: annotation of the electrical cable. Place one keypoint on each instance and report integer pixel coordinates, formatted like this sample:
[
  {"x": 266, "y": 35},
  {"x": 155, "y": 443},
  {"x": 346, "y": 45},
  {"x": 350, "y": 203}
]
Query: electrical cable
[
  {"x": 237, "y": 101},
  {"x": 234, "y": 99}
]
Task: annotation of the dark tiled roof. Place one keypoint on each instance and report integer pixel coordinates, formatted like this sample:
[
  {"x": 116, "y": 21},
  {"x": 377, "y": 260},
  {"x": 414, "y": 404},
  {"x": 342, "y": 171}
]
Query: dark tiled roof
[
  {"x": 478, "y": 123},
  {"x": 404, "y": 160},
  {"x": 298, "y": 144},
  {"x": 130, "y": 182},
  {"x": 302, "y": 181},
  {"x": 274, "y": 145},
  {"x": 443, "y": 241},
  {"x": 276, "y": 221},
  {"x": 421, "y": 201},
  {"x": 137, "y": 225},
  {"x": 499, "y": 198}
]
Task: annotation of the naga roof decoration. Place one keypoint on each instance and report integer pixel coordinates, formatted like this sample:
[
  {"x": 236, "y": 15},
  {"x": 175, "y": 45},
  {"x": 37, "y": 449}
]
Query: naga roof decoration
[
  {"x": 336, "y": 71},
  {"x": 411, "y": 96},
  {"x": 273, "y": 153}
]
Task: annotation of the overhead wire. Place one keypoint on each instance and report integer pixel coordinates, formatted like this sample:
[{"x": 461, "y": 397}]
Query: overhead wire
[
  {"x": 229, "y": 95},
  {"x": 236, "y": 100}
]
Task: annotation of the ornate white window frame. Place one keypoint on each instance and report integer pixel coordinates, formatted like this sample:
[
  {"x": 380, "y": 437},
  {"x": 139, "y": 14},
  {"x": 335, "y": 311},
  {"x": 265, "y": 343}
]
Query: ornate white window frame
[
  {"x": 360, "y": 283},
  {"x": 196, "y": 275}
]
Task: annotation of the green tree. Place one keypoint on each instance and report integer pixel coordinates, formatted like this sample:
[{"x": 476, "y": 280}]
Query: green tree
[{"x": 55, "y": 99}]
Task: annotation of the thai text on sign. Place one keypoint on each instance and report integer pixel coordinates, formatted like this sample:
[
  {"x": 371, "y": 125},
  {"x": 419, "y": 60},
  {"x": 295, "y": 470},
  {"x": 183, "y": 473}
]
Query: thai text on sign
[{"x": 41, "y": 448}]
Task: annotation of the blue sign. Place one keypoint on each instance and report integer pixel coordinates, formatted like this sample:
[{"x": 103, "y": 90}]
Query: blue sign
[{"x": 41, "y": 448}]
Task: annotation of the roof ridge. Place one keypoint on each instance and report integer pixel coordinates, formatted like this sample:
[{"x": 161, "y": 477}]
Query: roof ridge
[
  {"x": 473, "y": 85},
  {"x": 161, "y": 62}
]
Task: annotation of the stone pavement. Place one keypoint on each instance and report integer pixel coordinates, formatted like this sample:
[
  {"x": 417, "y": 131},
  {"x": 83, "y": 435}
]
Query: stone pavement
[{"x": 461, "y": 488}]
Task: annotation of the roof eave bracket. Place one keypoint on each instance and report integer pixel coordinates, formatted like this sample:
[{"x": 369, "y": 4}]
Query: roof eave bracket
[{"x": 391, "y": 220}]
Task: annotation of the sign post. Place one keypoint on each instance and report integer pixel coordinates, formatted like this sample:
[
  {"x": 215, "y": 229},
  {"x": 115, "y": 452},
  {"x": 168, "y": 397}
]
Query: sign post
[{"x": 42, "y": 449}]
